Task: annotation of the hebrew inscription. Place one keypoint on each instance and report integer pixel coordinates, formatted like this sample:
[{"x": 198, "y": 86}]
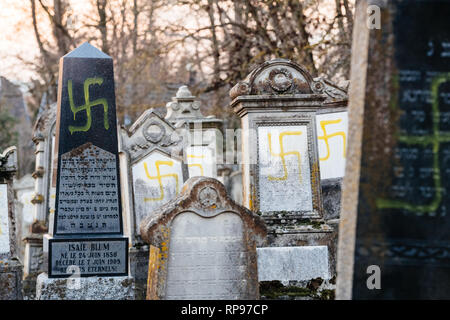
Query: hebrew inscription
[
  {"x": 207, "y": 259},
  {"x": 88, "y": 192}
]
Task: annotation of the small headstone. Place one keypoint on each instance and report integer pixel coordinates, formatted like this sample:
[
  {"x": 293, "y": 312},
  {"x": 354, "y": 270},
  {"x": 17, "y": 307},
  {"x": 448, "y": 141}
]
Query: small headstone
[
  {"x": 86, "y": 237},
  {"x": 154, "y": 171},
  {"x": 394, "y": 231},
  {"x": 203, "y": 245},
  {"x": 10, "y": 265}
]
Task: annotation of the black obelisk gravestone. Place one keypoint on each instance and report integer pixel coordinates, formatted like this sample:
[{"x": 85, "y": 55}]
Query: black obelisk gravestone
[
  {"x": 394, "y": 240},
  {"x": 87, "y": 229}
]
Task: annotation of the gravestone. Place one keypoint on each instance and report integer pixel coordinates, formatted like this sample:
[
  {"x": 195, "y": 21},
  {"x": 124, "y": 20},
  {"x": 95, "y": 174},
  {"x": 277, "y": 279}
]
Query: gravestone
[
  {"x": 153, "y": 172},
  {"x": 10, "y": 265},
  {"x": 86, "y": 236},
  {"x": 24, "y": 209},
  {"x": 44, "y": 196},
  {"x": 203, "y": 245},
  {"x": 394, "y": 239},
  {"x": 204, "y": 151},
  {"x": 281, "y": 107}
]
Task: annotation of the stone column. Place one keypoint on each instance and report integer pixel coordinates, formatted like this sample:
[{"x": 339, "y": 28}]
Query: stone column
[{"x": 10, "y": 265}]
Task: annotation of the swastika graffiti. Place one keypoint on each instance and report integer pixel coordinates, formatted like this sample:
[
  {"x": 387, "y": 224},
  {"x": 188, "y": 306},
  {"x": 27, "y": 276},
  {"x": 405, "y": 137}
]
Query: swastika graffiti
[
  {"x": 87, "y": 105},
  {"x": 159, "y": 177},
  {"x": 283, "y": 154}
]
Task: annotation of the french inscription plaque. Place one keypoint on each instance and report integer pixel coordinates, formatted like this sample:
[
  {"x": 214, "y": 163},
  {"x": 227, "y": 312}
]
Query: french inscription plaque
[{"x": 92, "y": 257}]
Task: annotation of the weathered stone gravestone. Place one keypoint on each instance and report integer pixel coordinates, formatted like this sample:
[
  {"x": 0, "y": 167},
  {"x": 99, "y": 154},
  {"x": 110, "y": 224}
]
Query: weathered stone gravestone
[
  {"x": 86, "y": 238},
  {"x": 394, "y": 232},
  {"x": 10, "y": 265},
  {"x": 280, "y": 104},
  {"x": 154, "y": 171},
  {"x": 203, "y": 245},
  {"x": 204, "y": 149},
  {"x": 44, "y": 196}
]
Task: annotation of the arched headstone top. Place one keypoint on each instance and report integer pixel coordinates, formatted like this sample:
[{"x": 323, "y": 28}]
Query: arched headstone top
[
  {"x": 206, "y": 197},
  {"x": 285, "y": 77},
  {"x": 151, "y": 132}
]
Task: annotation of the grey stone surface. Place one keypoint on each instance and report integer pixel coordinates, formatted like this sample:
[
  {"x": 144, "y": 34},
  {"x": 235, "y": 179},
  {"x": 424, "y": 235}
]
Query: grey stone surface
[
  {"x": 287, "y": 264},
  {"x": 10, "y": 265},
  {"x": 91, "y": 288},
  {"x": 205, "y": 245}
]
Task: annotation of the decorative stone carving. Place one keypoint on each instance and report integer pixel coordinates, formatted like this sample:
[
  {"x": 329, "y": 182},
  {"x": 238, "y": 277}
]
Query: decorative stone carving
[
  {"x": 203, "y": 245},
  {"x": 281, "y": 77}
]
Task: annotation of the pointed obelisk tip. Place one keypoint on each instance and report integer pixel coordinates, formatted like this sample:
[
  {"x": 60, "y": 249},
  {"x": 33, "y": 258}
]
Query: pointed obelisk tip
[{"x": 87, "y": 51}]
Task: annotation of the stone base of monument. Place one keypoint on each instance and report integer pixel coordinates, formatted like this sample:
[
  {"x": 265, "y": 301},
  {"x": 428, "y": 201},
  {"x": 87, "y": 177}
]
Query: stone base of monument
[
  {"x": 300, "y": 273},
  {"x": 10, "y": 279},
  {"x": 139, "y": 269},
  {"x": 88, "y": 288}
]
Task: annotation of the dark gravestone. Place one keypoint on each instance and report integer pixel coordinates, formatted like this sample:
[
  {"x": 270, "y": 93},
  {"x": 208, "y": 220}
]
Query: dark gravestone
[
  {"x": 87, "y": 227},
  {"x": 399, "y": 103}
]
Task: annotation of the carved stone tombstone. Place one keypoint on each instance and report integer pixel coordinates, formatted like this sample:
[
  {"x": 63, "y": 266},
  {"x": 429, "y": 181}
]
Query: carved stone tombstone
[
  {"x": 86, "y": 237},
  {"x": 203, "y": 245},
  {"x": 10, "y": 265},
  {"x": 394, "y": 240},
  {"x": 204, "y": 151},
  {"x": 153, "y": 174},
  {"x": 44, "y": 196},
  {"x": 280, "y": 104}
]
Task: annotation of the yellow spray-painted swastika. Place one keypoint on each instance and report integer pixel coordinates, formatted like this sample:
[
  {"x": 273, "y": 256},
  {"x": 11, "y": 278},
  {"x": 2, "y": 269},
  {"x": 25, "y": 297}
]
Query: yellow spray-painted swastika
[
  {"x": 283, "y": 154},
  {"x": 196, "y": 164},
  {"x": 433, "y": 140},
  {"x": 326, "y": 136},
  {"x": 87, "y": 105},
  {"x": 159, "y": 177}
]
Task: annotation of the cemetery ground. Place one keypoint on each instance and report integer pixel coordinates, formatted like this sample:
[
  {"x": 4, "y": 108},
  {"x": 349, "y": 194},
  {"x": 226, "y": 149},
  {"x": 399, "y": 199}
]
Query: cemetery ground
[{"x": 321, "y": 191}]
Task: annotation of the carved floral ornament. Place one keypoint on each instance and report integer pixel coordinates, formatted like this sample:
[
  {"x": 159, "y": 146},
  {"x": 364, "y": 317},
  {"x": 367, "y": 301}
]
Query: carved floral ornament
[{"x": 282, "y": 77}]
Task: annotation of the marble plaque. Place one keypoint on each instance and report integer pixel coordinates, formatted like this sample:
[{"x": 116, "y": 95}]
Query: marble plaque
[
  {"x": 284, "y": 171},
  {"x": 88, "y": 192},
  {"x": 200, "y": 161},
  {"x": 332, "y": 143},
  {"x": 4, "y": 221},
  {"x": 93, "y": 257},
  {"x": 207, "y": 258},
  {"x": 157, "y": 179}
]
